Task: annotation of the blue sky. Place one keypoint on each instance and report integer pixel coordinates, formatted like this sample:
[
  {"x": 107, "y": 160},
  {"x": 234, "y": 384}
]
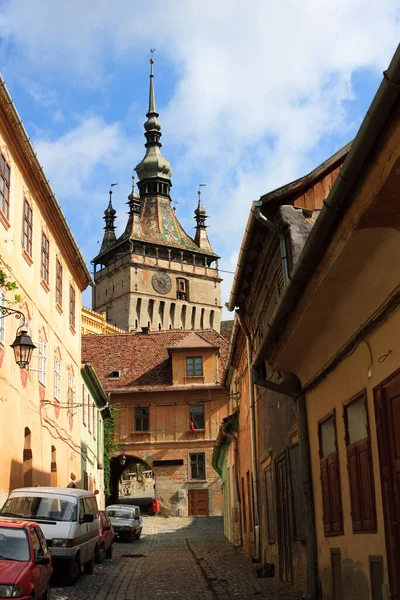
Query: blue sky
[{"x": 251, "y": 95}]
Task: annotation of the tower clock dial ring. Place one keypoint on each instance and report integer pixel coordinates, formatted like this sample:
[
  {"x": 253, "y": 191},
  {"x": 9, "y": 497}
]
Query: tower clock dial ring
[{"x": 161, "y": 282}]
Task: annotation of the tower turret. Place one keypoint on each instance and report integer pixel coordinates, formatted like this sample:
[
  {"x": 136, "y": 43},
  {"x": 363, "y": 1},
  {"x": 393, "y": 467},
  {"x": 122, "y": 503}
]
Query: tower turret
[
  {"x": 109, "y": 230},
  {"x": 200, "y": 216}
]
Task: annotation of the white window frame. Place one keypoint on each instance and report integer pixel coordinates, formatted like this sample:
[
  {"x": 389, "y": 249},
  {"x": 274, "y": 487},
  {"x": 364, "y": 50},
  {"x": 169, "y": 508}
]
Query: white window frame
[
  {"x": 42, "y": 362},
  {"x": 2, "y": 319},
  {"x": 57, "y": 379}
]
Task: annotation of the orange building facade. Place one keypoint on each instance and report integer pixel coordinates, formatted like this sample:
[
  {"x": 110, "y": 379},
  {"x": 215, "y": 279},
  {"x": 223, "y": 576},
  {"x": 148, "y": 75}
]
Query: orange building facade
[{"x": 167, "y": 393}]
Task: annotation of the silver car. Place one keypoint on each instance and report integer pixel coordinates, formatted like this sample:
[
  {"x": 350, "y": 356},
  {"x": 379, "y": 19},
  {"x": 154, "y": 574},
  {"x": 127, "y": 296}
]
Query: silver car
[{"x": 126, "y": 520}]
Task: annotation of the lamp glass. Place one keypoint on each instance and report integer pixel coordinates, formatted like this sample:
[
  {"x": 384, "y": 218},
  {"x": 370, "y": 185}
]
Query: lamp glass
[{"x": 23, "y": 348}]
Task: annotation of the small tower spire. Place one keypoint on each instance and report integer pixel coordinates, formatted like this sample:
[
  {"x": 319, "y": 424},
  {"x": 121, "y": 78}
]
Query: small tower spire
[
  {"x": 200, "y": 215},
  {"x": 134, "y": 200},
  {"x": 109, "y": 229}
]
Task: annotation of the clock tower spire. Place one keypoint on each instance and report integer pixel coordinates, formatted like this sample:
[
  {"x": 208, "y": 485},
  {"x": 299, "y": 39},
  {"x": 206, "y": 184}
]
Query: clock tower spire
[{"x": 156, "y": 275}]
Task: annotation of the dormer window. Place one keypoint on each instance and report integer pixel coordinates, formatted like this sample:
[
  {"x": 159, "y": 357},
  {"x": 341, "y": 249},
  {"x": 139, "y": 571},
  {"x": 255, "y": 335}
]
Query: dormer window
[
  {"x": 194, "y": 366},
  {"x": 182, "y": 289},
  {"x": 115, "y": 374}
]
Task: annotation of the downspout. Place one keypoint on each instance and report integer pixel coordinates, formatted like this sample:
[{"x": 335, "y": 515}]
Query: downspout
[
  {"x": 233, "y": 438},
  {"x": 256, "y": 558},
  {"x": 279, "y": 232}
]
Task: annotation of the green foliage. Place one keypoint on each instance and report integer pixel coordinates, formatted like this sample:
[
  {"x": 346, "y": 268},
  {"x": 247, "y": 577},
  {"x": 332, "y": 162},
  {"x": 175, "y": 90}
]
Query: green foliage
[
  {"x": 8, "y": 284},
  {"x": 111, "y": 448}
]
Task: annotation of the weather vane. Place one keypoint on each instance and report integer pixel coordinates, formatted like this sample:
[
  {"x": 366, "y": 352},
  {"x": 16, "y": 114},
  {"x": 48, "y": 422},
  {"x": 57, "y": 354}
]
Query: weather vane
[
  {"x": 152, "y": 50},
  {"x": 112, "y": 185},
  {"x": 199, "y": 190}
]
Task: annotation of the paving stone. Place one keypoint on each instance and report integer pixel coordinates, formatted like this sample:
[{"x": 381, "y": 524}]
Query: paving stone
[{"x": 184, "y": 558}]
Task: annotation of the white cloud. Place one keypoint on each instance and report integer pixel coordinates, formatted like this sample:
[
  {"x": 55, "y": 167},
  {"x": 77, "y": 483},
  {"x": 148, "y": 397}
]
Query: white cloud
[
  {"x": 257, "y": 86},
  {"x": 71, "y": 160}
]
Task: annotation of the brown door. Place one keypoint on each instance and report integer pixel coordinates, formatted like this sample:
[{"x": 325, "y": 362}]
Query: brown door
[
  {"x": 198, "y": 503},
  {"x": 387, "y": 410},
  {"x": 283, "y": 519}
]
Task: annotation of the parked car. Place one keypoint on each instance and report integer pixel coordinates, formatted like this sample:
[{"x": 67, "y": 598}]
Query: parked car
[
  {"x": 70, "y": 522},
  {"x": 25, "y": 561},
  {"x": 126, "y": 520},
  {"x": 105, "y": 546}
]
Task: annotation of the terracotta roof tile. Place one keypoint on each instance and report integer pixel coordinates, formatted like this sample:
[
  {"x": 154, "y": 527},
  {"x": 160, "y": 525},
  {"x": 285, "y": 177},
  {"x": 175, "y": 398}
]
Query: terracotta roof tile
[
  {"x": 192, "y": 340},
  {"x": 142, "y": 358}
]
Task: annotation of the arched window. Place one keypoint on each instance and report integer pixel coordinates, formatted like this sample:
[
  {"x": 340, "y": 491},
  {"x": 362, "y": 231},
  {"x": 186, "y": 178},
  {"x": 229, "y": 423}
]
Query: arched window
[
  {"x": 53, "y": 467},
  {"x": 182, "y": 289},
  {"x": 27, "y": 459}
]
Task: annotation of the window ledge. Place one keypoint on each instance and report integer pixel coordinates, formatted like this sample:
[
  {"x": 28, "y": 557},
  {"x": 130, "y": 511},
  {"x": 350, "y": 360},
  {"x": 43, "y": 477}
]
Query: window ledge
[
  {"x": 59, "y": 308},
  {"x": 44, "y": 285},
  {"x": 197, "y": 480},
  {"x": 3, "y": 219},
  {"x": 194, "y": 379},
  {"x": 140, "y": 432},
  {"x": 27, "y": 257},
  {"x": 196, "y": 430}
]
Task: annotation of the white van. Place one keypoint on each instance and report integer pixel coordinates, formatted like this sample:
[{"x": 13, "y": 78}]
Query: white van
[{"x": 70, "y": 522}]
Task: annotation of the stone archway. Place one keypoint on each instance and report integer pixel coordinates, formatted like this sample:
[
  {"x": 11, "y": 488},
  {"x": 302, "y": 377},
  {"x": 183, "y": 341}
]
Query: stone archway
[{"x": 132, "y": 480}]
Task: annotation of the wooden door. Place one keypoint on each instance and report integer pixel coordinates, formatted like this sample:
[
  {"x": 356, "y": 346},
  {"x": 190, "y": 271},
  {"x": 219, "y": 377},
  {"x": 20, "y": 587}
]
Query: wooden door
[
  {"x": 387, "y": 413},
  {"x": 198, "y": 503},
  {"x": 283, "y": 519}
]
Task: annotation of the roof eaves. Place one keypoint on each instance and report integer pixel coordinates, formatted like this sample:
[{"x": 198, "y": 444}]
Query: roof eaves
[{"x": 280, "y": 194}]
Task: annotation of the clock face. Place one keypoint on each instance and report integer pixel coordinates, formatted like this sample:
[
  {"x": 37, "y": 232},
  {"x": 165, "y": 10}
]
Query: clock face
[{"x": 161, "y": 282}]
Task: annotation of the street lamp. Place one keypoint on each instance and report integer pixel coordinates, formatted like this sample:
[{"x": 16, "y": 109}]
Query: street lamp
[
  {"x": 22, "y": 345},
  {"x": 122, "y": 460}
]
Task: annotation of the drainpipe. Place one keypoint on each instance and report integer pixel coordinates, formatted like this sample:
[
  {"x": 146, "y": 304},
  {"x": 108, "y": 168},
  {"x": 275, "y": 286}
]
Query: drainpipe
[
  {"x": 312, "y": 554},
  {"x": 279, "y": 232},
  {"x": 256, "y": 558},
  {"x": 233, "y": 438},
  {"x": 292, "y": 388}
]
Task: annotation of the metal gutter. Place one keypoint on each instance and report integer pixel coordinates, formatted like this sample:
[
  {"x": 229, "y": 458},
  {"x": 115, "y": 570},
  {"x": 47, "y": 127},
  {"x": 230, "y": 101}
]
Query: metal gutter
[
  {"x": 52, "y": 196},
  {"x": 280, "y": 233},
  {"x": 313, "y": 251}
]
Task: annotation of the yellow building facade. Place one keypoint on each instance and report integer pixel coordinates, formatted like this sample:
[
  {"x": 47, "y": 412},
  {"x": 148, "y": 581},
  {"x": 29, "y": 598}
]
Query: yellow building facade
[{"x": 40, "y": 430}]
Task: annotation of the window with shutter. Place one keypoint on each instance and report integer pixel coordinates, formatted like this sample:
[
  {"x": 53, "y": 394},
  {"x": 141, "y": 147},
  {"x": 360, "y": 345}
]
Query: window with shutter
[
  {"x": 330, "y": 477},
  {"x": 359, "y": 465}
]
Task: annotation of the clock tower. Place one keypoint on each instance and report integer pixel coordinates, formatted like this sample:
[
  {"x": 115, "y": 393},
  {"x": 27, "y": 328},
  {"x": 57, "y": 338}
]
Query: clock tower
[{"x": 155, "y": 275}]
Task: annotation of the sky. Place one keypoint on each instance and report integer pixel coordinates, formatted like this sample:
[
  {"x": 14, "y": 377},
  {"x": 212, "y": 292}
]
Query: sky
[{"x": 251, "y": 96}]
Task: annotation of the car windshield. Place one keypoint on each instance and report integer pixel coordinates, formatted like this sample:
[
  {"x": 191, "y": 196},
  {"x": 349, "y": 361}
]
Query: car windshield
[
  {"x": 119, "y": 513},
  {"x": 14, "y": 544},
  {"x": 40, "y": 508}
]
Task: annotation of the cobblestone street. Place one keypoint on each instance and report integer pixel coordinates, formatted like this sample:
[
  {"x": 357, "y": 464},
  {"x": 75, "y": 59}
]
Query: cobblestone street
[{"x": 183, "y": 558}]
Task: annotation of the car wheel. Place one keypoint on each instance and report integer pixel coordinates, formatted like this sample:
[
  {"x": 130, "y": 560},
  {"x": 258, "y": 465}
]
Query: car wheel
[
  {"x": 138, "y": 534},
  {"x": 88, "y": 567},
  {"x": 74, "y": 570},
  {"x": 99, "y": 554},
  {"x": 109, "y": 551}
]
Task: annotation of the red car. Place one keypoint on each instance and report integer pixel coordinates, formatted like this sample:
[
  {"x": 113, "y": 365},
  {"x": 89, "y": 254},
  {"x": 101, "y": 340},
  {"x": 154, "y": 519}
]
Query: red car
[
  {"x": 25, "y": 562},
  {"x": 105, "y": 547}
]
